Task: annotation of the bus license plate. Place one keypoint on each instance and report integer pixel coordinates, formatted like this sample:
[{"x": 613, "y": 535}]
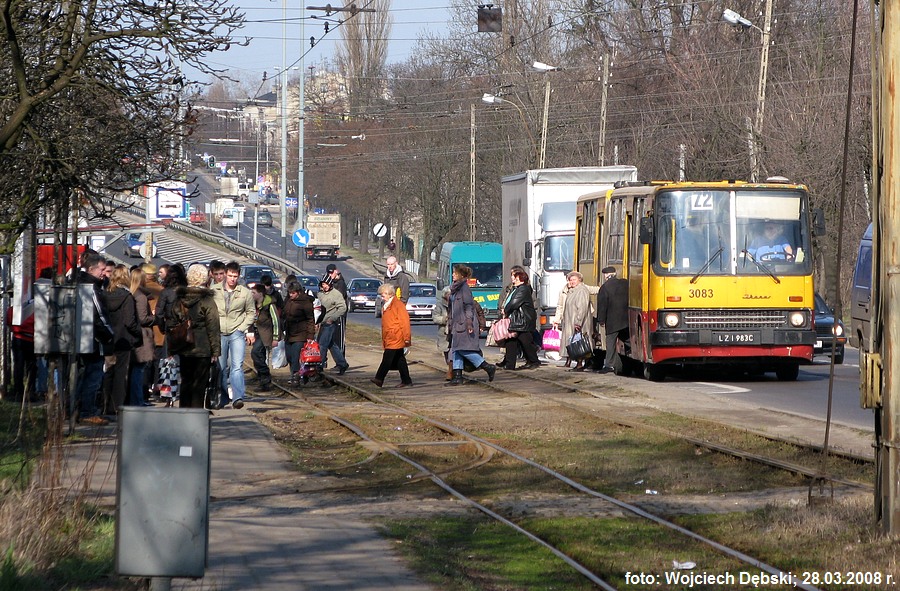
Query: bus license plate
[{"x": 736, "y": 338}]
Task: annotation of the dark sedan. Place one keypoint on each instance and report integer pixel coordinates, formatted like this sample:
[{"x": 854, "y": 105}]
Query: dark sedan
[
  {"x": 361, "y": 293},
  {"x": 828, "y": 330}
]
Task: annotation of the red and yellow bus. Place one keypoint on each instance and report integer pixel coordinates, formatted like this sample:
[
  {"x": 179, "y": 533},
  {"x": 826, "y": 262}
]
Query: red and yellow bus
[{"x": 718, "y": 272}]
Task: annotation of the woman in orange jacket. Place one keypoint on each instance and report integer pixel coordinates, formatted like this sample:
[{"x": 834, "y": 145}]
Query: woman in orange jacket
[{"x": 396, "y": 335}]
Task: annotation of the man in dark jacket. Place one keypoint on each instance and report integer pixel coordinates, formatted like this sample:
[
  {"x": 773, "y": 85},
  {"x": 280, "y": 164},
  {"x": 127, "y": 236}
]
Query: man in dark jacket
[
  {"x": 612, "y": 313},
  {"x": 88, "y": 387},
  {"x": 268, "y": 333}
]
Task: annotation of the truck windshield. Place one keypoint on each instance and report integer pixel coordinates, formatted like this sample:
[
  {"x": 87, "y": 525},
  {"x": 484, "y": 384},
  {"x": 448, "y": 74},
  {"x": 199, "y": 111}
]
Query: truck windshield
[
  {"x": 487, "y": 274},
  {"x": 558, "y": 253},
  {"x": 724, "y": 232}
]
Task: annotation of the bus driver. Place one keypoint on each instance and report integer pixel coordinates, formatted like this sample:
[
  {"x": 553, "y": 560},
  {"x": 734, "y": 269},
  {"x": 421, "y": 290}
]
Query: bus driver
[{"x": 772, "y": 244}]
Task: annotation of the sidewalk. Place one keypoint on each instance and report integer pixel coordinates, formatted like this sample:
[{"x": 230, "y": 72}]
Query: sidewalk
[{"x": 263, "y": 533}]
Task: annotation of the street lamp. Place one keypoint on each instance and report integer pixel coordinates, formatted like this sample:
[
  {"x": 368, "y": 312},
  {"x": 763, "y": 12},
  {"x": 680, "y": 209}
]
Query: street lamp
[
  {"x": 542, "y": 67},
  {"x": 734, "y": 18},
  {"x": 496, "y": 100}
]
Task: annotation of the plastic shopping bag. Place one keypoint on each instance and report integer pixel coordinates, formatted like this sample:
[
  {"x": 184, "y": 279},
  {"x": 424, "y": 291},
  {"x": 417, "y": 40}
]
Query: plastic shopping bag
[
  {"x": 279, "y": 357},
  {"x": 551, "y": 340}
]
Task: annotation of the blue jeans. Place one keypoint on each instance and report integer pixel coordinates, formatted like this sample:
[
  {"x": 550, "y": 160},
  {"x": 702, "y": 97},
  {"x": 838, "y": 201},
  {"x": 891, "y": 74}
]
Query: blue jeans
[
  {"x": 231, "y": 362},
  {"x": 136, "y": 384},
  {"x": 473, "y": 356},
  {"x": 327, "y": 343},
  {"x": 89, "y": 385}
]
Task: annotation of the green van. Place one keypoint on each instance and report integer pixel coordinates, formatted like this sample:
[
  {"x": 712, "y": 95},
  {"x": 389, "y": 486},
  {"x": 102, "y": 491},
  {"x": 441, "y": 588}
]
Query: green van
[{"x": 486, "y": 261}]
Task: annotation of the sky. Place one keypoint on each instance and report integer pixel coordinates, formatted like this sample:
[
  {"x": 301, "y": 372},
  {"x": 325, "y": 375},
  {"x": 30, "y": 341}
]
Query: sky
[{"x": 264, "y": 20}]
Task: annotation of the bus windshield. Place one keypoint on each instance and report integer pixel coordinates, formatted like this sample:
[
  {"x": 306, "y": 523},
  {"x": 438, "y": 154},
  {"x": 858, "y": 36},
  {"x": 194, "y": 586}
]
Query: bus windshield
[
  {"x": 486, "y": 274},
  {"x": 754, "y": 231}
]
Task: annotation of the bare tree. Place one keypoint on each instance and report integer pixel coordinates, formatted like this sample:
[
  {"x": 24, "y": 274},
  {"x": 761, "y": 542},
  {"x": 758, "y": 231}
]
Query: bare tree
[{"x": 92, "y": 95}]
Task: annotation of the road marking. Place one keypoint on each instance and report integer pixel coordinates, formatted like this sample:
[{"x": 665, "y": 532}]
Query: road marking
[{"x": 712, "y": 388}]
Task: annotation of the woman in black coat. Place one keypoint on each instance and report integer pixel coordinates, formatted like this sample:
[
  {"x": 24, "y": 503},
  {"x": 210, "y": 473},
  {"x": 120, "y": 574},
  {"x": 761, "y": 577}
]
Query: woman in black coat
[
  {"x": 122, "y": 314},
  {"x": 519, "y": 308}
]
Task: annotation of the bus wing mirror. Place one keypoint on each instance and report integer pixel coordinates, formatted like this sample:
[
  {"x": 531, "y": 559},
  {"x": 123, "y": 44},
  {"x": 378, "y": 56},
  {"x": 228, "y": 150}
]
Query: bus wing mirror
[
  {"x": 645, "y": 233},
  {"x": 818, "y": 221},
  {"x": 526, "y": 262}
]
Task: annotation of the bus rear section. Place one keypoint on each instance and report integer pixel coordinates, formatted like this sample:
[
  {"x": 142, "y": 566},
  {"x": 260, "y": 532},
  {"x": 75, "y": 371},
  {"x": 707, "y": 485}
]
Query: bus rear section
[{"x": 719, "y": 274}]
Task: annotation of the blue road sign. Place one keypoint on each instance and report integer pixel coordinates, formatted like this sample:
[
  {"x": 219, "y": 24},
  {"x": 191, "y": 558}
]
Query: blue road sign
[
  {"x": 301, "y": 237},
  {"x": 290, "y": 202}
]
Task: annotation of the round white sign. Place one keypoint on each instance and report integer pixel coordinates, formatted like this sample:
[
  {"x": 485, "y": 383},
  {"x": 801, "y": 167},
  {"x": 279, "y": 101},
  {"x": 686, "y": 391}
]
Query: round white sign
[{"x": 380, "y": 230}]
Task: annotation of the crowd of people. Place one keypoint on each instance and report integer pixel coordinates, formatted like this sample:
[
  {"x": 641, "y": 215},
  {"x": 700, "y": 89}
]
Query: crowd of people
[
  {"x": 176, "y": 335},
  {"x": 179, "y": 336}
]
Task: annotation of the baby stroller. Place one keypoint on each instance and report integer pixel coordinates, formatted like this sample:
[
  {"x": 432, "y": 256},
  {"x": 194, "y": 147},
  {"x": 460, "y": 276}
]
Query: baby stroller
[{"x": 311, "y": 365}]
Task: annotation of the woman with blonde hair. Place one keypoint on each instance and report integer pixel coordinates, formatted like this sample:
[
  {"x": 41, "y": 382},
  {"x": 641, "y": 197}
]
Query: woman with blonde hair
[
  {"x": 197, "y": 359},
  {"x": 122, "y": 316},
  {"x": 143, "y": 352}
]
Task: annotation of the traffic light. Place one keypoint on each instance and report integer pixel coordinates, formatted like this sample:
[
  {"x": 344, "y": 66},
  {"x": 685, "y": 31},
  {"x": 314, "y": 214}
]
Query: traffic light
[{"x": 211, "y": 162}]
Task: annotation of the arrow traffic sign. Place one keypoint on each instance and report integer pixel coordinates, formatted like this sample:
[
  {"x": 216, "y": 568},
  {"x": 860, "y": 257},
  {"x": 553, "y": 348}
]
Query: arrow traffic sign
[{"x": 301, "y": 237}]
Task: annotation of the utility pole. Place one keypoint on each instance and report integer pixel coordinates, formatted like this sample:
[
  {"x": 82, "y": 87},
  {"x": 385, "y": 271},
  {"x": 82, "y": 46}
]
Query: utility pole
[
  {"x": 885, "y": 280},
  {"x": 761, "y": 91},
  {"x": 546, "y": 116},
  {"x": 472, "y": 177},
  {"x": 601, "y": 149},
  {"x": 301, "y": 120},
  {"x": 282, "y": 182}
]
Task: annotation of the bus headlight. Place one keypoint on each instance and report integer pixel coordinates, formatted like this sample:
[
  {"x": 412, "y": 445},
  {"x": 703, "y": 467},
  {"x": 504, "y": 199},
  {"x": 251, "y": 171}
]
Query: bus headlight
[
  {"x": 797, "y": 319},
  {"x": 671, "y": 319}
]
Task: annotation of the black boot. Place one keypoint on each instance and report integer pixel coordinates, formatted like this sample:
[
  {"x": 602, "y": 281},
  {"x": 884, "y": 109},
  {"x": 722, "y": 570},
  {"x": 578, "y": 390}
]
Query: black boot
[
  {"x": 457, "y": 378},
  {"x": 490, "y": 369}
]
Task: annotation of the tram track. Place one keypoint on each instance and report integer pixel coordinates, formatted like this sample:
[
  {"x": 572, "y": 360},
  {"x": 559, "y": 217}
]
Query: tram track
[{"x": 336, "y": 412}]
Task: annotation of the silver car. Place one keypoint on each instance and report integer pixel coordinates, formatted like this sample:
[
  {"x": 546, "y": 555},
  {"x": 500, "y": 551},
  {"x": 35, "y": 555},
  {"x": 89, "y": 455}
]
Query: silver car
[{"x": 422, "y": 300}]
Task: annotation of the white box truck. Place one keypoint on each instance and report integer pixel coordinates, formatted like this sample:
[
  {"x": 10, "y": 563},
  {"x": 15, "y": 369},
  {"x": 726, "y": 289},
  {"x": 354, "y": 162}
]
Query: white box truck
[
  {"x": 324, "y": 236},
  {"x": 228, "y": 187},
  {"x": 538, "y": 212}
]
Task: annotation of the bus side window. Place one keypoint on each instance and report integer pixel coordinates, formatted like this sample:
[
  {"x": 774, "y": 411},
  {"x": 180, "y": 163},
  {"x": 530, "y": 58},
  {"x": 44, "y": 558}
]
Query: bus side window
[{"x": 665, "y": 239}]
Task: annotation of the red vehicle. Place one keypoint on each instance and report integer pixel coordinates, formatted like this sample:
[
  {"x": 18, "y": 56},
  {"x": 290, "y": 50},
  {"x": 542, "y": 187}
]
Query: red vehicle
[{"x": 198, "y": 217}]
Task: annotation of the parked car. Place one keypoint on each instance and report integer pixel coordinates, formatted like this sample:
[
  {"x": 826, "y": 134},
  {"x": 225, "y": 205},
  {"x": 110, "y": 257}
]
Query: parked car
[
  {"x": 828, "y": 330},
  {"x": 264, "y": 218},
  {"x": 422, "y": 301},
  {"x": 251, "y": 274},
  {"x": 197, "y": 217},
  {"x": 133, "y": 243},
  {"x": 361, "y": 293}
]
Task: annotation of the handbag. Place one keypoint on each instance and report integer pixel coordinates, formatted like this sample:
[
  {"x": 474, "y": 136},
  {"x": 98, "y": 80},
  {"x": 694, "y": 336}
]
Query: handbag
[
  {"x": 518, "y": 321},
  {"x": 279, "y": 357},
  {"x": 489, "y": 340},
  {"x": 500, "y": 330},
  {"x": 578, "y": 347},
  {"x": 213, "y": 387},
  {"x": 551, "y": 340},
  {"x": 180, "y": 335}
]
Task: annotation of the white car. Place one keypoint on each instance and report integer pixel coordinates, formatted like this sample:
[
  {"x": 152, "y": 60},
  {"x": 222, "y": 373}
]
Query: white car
[{"x": 229, "y": 218}]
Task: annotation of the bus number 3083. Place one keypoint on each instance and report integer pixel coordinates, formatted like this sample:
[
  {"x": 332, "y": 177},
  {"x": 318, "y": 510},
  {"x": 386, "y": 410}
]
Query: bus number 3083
[{"x": 700, "y": 293}]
